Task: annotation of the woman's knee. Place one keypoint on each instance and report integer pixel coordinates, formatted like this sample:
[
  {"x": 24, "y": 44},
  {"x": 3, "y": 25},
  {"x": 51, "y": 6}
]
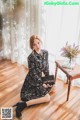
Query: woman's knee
[{"x": 47, "y": 97}]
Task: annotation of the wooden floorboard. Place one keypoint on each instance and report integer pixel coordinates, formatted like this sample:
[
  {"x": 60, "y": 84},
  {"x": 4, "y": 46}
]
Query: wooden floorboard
[{"x": 11, "y": 79}]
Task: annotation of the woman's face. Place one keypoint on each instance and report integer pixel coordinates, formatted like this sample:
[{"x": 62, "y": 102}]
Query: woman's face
[{"x": 37, "y": 45}]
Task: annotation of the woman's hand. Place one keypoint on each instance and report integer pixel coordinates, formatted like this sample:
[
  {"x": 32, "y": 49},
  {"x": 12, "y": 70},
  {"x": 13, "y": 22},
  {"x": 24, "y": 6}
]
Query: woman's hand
[
  {"x": 45, "y": 86},
  {"x": 49, "y": 86}
]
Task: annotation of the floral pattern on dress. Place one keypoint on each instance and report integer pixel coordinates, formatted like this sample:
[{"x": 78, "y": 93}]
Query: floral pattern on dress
[{"x": 33, "y": 85}]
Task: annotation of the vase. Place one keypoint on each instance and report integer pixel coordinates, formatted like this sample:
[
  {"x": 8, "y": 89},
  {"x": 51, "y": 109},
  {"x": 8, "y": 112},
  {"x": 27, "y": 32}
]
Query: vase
[{"x": 71, "y": 62}]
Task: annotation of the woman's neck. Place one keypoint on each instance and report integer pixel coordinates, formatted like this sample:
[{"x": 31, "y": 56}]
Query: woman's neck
[{"x": 38, "y": 51}]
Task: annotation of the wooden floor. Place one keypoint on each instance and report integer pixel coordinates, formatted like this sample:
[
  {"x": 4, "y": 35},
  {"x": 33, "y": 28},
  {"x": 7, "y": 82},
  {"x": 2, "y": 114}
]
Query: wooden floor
[{"x": 11, "y": 79}]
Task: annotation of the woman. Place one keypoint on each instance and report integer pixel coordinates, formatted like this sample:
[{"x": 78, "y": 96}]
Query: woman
[{"x": 35, "y": 90}]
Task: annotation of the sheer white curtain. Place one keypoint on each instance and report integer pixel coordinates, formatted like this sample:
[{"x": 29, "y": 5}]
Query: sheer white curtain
[
  {"x": 62, "y": 25},
  {"x": 18, "y": 25}
]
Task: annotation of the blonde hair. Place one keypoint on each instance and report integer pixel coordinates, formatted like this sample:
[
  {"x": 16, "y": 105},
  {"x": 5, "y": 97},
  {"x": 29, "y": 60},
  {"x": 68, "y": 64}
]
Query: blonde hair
[{"x": 32, "y": 38}]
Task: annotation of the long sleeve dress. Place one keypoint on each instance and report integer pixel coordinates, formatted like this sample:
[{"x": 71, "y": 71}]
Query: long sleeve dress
[{"x": 33, "y": 85}]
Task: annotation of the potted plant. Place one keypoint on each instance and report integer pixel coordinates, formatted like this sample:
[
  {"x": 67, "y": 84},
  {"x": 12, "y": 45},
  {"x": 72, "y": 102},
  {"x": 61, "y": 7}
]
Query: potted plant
[{"x": 70, "y": 52}]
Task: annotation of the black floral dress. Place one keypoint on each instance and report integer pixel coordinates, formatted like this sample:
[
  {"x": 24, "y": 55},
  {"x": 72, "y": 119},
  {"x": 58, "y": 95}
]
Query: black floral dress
[{"x": 33, "y": 85}]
